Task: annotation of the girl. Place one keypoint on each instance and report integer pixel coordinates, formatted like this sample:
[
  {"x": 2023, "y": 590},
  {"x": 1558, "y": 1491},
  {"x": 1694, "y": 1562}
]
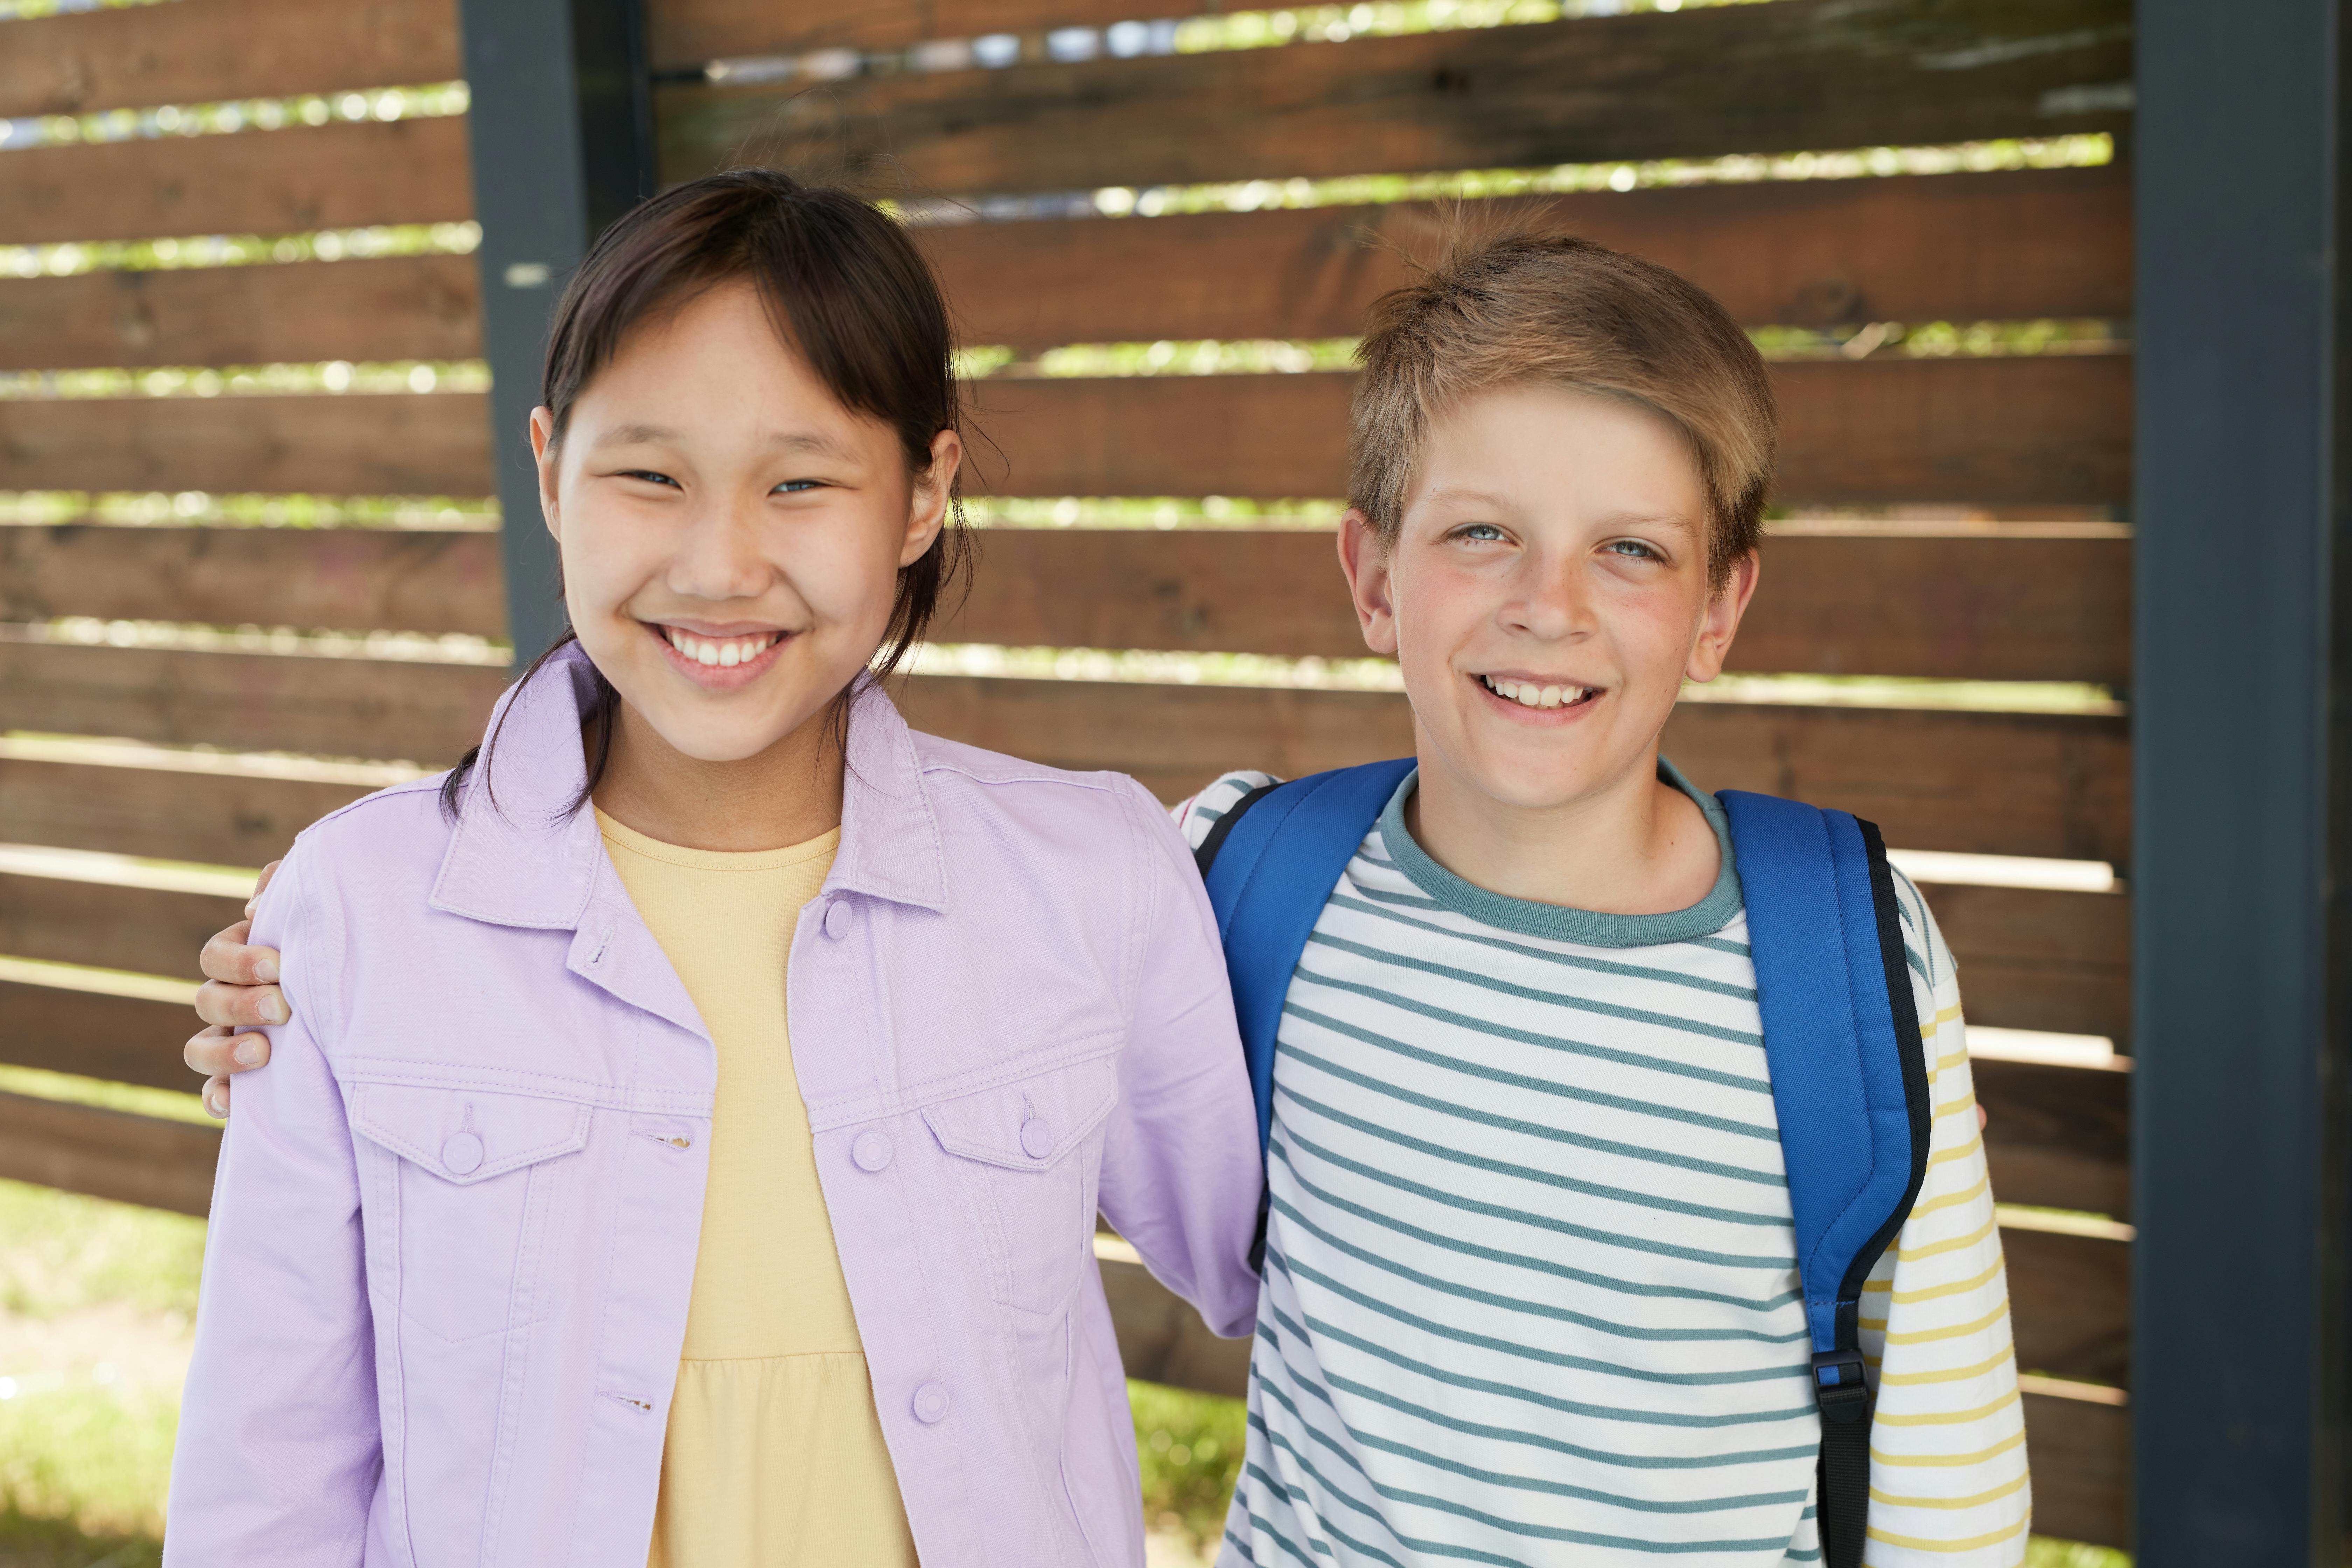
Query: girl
[{"x": 686, "y": 1141}]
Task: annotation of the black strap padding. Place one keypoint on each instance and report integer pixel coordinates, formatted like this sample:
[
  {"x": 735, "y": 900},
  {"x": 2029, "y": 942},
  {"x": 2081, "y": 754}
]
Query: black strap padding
[{"x": 1206, "y": 855}]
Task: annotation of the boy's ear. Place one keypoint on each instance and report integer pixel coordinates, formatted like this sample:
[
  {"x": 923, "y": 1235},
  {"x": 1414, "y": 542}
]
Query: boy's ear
[
  {"x": 542, "y": 451},
  {"x": 1370, "y": 585},
  {"x": 1726, "y": 603}
]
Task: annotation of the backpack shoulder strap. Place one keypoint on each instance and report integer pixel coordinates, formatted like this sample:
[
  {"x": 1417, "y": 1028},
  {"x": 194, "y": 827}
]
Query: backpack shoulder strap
[
  {"x": 1850, "y": 1087},
  {"x": 1270, "y": 863}
]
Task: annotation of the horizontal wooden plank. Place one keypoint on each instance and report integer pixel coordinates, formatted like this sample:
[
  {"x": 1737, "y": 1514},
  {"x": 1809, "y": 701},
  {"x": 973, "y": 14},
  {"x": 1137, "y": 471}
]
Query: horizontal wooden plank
[
  {"x": 1992, "y": 431},
  {"x": 353, "y": 443},
  {"x": 2018, "y": 431},
  {"x": 1990, "y": 784},
  {"x": 389, "y": 308},
  {"x": 426, "y": 713},
  {"x": 1985, "y": 783},
  {"x": 343, "y": 175},
  {"x": 212, "y": 50},
  {"x": 2022, "y": 246},
  {"x": 107, "y": 1154},
  {"x": 2081, "y": 1456},
  {"x": 1162, "y": 1340},
  {"x": 120, "y": 1038},
  {"x": 341, "y": 579},
  {"x": 2032, "y": 958},
  {"x": 1739, "y": 78},
  {"x": 214, "y": 818},
  {"x": 1969, "y": 608},
  {"x": 2070, "y": 1305},
  {"x": 137, "y": 928},
  {"x": 2057, "y": 1137},
  {"x": 685, "y": 33}
]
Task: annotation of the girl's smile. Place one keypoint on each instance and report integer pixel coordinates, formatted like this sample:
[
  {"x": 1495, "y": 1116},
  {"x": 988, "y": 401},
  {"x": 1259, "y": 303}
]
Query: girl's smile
[{"x": 717, "y": 659}]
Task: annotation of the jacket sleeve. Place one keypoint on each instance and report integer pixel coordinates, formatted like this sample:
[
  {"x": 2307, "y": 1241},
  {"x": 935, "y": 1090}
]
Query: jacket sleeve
[
  {"x": 279, "y": 1445},
  {"x": 1947, "y": 1472},
  {"x": 1181, "y": 1174}
]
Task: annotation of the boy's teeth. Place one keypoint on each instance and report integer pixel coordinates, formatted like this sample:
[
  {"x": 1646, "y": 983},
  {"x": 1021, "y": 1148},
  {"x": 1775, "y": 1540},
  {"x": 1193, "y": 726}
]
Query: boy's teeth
[{"x": 1527, "y": 694}]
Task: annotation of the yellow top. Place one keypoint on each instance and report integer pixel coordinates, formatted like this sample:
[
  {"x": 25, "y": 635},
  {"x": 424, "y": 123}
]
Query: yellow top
[{"x": 774, "y": 1455}]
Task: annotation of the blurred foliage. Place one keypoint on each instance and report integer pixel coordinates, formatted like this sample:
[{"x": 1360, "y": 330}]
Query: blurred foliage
[{"x": 1189, "y": 1445}]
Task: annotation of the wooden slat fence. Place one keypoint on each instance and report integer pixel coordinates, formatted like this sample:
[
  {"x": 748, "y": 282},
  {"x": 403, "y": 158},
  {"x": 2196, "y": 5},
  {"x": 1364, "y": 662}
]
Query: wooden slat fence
[{"x": 2017, "y": 437}]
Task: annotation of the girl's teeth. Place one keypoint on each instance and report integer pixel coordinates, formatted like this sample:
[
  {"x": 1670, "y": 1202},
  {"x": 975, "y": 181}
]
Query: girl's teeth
[
  {"x": 731, "y": 656},
  {"x": 1550, "y": 697},
  {"x": 1529, "y": 696},
  {"x": 704, "y": 653}
]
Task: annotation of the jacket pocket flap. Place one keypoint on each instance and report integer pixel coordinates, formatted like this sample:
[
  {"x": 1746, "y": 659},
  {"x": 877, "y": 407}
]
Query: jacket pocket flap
[
  {"x": 466, "y": 1135},
  {"x": 1029, "y": 1123}
]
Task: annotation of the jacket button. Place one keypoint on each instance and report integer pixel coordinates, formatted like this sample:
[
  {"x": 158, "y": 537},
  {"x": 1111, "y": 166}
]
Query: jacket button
[
  {"x": 1036, "y": 1137},
  {"x": 462, "y": 1155},
  {"x": 931, "y": 1403},
  {"x": 872, "y": 1151},
  {"x": 837, "y": 918}
]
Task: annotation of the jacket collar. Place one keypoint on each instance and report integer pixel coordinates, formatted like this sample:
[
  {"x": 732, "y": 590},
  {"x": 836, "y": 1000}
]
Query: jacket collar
[{"x": 521, "y": 857}]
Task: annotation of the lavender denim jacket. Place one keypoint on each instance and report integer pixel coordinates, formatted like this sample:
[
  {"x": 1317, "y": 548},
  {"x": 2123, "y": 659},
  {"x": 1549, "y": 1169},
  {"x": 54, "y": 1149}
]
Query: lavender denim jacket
[{"x": 455, "y": 1219}]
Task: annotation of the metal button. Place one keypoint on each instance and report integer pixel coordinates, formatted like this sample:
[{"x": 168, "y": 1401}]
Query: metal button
[
  {"x": 462, "y": 1155},
  {"x": 837, "y": 918},
  {"x": 931, "y": 1403},
  {"x": 872, "y": 1151},
  {"x": 1036, "y": 1137}
]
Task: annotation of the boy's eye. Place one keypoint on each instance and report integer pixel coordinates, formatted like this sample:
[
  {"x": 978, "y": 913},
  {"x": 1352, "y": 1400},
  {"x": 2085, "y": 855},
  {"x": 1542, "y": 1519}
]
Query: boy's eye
[
  {"x": 1484, "y": 532},
  {"x": 1632, "y": 549}
]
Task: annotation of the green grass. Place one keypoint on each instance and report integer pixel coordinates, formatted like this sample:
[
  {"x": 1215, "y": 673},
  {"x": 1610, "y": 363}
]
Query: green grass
[{"x": 86, "y": 1442}]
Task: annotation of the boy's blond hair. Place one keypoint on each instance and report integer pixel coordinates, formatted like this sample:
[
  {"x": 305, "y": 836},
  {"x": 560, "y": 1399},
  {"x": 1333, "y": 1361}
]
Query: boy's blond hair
[{"x": 1526, "y": 305}]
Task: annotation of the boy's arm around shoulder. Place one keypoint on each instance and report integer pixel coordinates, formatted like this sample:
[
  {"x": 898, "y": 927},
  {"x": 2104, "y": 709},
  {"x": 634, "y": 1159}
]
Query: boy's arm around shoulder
[
  {"x": 1947, "y": 1466},
  {"x": 279, "y": 1444},
  {"x": 1181, "y": 1172}
]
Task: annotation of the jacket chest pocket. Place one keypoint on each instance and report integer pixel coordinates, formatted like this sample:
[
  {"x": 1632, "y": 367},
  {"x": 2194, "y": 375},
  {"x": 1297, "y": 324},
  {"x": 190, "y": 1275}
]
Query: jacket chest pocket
[
  {"x": 473, "y": 1176},
  {"x": 1029, "y": 1154}
]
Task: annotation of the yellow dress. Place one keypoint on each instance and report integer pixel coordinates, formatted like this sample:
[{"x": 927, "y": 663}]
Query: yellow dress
[{"x": 774, "y": 1456}]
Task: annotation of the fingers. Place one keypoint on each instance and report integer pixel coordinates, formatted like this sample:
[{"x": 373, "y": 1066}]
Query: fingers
[
  {"x": 240, "y": 1006},
  {"x": 216, "y": 1098},
  {"x": 226, "y": 957},
  {"x": 261, "y": 886},
  {"x": 217, "y": 1052},
  {"x": 1981, "y": 1118}
]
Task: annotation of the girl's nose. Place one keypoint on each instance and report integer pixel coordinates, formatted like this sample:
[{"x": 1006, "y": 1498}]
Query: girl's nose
[{"x": 719, "y": 555}]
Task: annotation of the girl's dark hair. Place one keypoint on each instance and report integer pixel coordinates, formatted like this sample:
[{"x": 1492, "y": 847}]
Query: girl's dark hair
[{"x": 845, "y": 287}]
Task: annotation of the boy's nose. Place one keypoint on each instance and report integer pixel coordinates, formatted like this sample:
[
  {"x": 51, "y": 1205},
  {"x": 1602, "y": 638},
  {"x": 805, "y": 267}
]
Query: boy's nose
[{"x": 1548, "y": 603}]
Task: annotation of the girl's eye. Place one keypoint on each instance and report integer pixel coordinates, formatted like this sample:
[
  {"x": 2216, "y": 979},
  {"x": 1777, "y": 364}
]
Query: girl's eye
[
  {"x": 795, "y": 487},
  {"x": 649, "y": 477}
]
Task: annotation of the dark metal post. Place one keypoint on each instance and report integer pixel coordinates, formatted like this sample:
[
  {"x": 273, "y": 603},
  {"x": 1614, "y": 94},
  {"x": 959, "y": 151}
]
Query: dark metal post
[
  {"x": 2240, "y": 735},
  {"x": 561, "y": 122}
]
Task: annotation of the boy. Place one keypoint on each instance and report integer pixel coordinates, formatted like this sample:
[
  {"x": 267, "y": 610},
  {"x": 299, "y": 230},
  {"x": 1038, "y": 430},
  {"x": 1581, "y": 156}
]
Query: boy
[
  {"x": 1529, "y": 1277},
  {"x": 1530, "y": 1282}
]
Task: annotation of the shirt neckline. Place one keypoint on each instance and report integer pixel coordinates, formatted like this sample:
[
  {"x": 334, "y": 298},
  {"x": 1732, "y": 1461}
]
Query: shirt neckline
[
  {"x": 620, "y": 836},
  {"x": 1588, "y": 927}
]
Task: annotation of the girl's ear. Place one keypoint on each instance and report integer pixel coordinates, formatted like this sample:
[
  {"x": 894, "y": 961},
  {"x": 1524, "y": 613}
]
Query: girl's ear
[
  {"x": 927, "y": 511},
  {"x": 542, "y": 451},
  {"x": 1369, "y": 582},
  {"x": 1726, "y": 602}
]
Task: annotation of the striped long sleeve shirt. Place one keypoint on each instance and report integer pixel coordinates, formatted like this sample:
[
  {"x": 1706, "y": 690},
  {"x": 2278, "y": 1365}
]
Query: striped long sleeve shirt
[{"x": 1530, "y": 1288}]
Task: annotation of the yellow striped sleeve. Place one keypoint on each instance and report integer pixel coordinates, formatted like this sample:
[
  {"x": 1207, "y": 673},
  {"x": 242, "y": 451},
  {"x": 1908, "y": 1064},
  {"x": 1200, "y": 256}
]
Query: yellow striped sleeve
[{"x": 1949, "y": 1480}]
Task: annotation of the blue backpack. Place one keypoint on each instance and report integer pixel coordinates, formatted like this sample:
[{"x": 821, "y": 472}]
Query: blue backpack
[{"x": 1840, "y": 1035}]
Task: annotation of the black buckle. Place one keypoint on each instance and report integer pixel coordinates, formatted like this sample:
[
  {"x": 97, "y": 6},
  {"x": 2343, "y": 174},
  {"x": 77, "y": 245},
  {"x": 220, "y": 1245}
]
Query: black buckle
[{"x": 1839, "y": 1385}]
